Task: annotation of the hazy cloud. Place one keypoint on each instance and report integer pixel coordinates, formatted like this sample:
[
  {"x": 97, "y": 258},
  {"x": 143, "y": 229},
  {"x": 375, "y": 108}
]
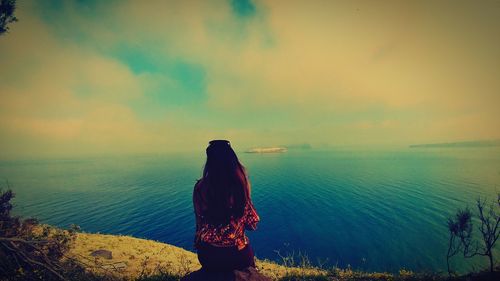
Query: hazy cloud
[{"x": 83, "y": 77}]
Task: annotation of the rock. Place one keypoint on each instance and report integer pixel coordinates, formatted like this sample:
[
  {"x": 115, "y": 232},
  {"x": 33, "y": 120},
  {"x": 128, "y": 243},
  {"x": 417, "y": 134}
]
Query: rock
[
  {"x": 247, "y": 274},
  {"x": 102, "y": 253}
]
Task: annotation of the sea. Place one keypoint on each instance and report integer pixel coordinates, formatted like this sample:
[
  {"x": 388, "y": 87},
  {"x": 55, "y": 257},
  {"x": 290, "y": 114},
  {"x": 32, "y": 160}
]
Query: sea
[{"x": 365, "y": 209}]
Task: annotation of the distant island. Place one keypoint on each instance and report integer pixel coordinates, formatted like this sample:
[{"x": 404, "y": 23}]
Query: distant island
[
  {"x": 267, "y": 150},
  {"x": 462, "y": 144}
]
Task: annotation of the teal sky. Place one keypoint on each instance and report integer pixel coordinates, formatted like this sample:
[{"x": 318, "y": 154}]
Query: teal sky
[{"x": 113, "y": 77}]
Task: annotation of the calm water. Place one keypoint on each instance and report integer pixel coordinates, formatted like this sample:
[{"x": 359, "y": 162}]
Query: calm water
[{"x": 372, "y": 210}]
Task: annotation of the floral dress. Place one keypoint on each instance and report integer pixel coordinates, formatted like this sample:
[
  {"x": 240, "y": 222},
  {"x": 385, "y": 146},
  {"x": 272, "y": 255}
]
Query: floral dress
[{"x": 228, "y": 235}]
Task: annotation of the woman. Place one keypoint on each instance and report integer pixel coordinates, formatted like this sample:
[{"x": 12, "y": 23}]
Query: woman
[{"x": 223, "y": 210}]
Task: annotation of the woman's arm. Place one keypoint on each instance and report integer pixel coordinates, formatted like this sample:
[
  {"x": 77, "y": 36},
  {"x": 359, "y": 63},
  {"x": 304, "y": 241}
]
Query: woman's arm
[
  {"x": 251, "y": 217},
  {"x": 197, "y": 204}
]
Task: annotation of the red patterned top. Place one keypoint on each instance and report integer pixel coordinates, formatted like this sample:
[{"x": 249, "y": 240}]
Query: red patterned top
[{"x": 232, "y": 234}]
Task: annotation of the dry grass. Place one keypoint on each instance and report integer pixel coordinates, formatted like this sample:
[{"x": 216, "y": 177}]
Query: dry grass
[
  {"x": 146, "y": 257},
  {"x": 141, "y": 256},
  {"x": 151, "y": 260}
]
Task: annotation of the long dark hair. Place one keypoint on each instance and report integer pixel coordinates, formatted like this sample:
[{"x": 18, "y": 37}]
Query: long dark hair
[{"x": 226, "y": 183}]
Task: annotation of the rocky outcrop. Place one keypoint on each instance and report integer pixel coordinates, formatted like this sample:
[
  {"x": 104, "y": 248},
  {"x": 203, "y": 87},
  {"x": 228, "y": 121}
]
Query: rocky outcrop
[{"x": 103, "y": 254}]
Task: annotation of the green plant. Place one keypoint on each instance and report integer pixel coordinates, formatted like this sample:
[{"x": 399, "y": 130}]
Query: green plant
[
  {"x": 461, "y": 232},
  {"x": 31, "y": 251},
  {"x": 7, "y": 8}
]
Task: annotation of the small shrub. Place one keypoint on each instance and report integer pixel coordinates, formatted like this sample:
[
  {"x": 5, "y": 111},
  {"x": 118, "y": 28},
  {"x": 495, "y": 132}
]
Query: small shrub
[
  {"x": 461, "y": 239},
  {"x": 30, "y": 251}
]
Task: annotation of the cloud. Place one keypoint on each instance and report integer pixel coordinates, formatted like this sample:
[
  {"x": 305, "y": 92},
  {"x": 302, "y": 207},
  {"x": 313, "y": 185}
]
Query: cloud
[
  {"x": 243, "y": 8},
  {"x": 123, "y": 76}
]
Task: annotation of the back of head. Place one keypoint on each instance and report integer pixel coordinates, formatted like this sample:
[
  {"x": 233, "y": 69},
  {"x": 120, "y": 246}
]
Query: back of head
[{"x": 226, "y": 183}]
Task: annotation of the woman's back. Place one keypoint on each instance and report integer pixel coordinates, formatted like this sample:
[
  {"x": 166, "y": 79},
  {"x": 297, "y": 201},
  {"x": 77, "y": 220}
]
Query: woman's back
[
  {"x": 223, "y": 210},
  {"x": 227, "y": 234}
]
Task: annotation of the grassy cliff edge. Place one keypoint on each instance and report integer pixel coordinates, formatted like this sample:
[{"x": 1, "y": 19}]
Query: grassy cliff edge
[
  {"x": 142, "y": 259},
  {"x": 133, "y": 257}
]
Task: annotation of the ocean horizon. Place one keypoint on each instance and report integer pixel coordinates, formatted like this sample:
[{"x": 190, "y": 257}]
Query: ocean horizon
[{"x": 374, "y": 210}]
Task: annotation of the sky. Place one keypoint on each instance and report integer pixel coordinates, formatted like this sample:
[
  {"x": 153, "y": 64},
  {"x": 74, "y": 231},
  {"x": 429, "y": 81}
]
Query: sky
[{"x": 117, "y": 77}]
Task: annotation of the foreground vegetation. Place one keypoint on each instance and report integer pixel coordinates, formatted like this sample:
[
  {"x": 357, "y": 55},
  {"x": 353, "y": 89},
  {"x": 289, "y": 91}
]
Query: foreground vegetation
[
  {"x": 32, "y": 251},
  {"x": 462, "y": 239}
]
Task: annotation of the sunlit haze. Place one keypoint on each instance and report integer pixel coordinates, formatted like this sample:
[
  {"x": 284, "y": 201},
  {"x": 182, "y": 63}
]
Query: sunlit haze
[{"x": 112, "y": 77}]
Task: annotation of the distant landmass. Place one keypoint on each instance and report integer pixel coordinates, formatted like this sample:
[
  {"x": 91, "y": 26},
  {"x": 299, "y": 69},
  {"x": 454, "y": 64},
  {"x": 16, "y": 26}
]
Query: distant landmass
[
  {"x": 464, "y": 144},
  {"x": 267, "y": 150}
]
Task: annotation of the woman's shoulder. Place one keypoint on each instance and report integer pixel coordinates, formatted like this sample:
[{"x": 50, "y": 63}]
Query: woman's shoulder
[
  {"x": 199, "y": 200},
  {"x": 198, "y": 190},
  {"x": 198, "y": 184}
]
